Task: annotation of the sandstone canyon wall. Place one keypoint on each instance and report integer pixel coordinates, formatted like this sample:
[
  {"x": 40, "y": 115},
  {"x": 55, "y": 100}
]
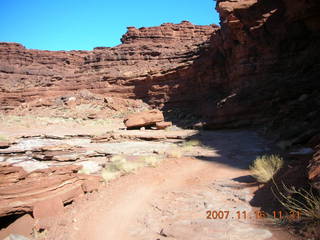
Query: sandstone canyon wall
[
  {"x": 151, "y": 64},
  {"x": 271, "y": 63},
  {"x": 260, "y": 67}
]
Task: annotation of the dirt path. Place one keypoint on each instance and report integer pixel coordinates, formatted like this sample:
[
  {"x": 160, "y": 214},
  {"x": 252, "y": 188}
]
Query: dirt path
[{"x": 171, "y": 201}]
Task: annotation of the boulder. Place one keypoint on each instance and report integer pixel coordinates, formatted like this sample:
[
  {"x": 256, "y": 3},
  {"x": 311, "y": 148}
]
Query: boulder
[
  {"x": 144, "y": 119},
  {"x": 163, "y": 125}
]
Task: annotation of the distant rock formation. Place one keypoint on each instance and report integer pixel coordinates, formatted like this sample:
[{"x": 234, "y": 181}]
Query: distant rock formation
[{"x": 148, "y": 65}]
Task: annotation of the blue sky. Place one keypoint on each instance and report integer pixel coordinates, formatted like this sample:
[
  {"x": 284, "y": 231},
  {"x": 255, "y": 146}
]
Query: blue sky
[{"x": 85, "y": 24}]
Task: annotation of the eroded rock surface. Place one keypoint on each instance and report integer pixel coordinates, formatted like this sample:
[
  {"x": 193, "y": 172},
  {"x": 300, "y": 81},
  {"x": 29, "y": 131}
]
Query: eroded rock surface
[
  {"x": 148, "y": 65},
  {"x": 21, "y": 191}
]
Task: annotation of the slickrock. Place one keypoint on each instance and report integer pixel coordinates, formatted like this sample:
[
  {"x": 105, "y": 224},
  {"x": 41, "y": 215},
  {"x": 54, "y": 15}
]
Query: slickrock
[
  {"x": 148, "y": 135},
  {"x": 61, "y": 153}
]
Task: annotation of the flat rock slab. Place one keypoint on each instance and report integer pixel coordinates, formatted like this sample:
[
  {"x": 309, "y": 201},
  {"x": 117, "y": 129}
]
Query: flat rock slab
[{"x": 149, "y": 135}]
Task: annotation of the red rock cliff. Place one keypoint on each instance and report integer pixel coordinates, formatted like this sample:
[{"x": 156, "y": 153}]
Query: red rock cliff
[
  {"x": 151, "y": 64},
  {"x": 271, "y": 63},
  {"x": 260, "y": 67}
]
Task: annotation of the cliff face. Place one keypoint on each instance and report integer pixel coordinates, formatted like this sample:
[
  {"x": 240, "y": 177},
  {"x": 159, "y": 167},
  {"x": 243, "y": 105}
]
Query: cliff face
[
  {"x": 271, "y": 65},
  {"x": 271, "y": 52},
  {"x": 148, "y": 65}
]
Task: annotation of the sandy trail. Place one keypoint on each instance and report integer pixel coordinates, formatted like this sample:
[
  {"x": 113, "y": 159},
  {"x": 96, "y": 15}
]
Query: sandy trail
[
  {"x": 127, "y": 199},
  {"x": 171, "y": 200}
]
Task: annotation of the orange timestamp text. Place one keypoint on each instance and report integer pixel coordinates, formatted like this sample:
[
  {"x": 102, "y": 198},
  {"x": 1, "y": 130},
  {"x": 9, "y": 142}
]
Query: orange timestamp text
[{"x": 242, "y": 215}]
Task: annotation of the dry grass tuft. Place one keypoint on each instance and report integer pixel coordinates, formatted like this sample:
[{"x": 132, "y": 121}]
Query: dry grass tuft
[
  {"x": 264, "y": 167},
  {"x": 175, "y": 153},
  {"x": 192, "y": 143},
  {"x": 151, "y": 161},
  {"x": 118, "y": 166},
  {"x": 108, "y": 174}
]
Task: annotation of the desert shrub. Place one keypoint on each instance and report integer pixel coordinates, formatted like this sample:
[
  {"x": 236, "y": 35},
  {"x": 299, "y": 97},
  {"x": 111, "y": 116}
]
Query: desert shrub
[
  {"x": 118, "y": 166},
  {"x": 264, "y": 167},
  {"x": 175, "y": 153},
  {"x": 120, "y": 163},
  {"x": 129, "y": 167},
  {"x": 115, "y": 158},
  {"x": 306, "y": 202},
  {"x": 192, "y": 143},
  {"x": 108, "y": 174},
  {"x": 151, "y": 161}
]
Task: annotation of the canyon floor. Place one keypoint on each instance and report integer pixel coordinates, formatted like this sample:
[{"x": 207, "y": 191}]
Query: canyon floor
[{"x": 195, "y": 172}]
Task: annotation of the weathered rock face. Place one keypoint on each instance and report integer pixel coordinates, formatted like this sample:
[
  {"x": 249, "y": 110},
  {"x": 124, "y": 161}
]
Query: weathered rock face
[
  {"x": 20, "y": 191},
  {"x": 271, "y": 63},
  {"x": 271, "y": 66},
  {"x": 148, "y": 65},
  {"x": 271, "y": 52}
]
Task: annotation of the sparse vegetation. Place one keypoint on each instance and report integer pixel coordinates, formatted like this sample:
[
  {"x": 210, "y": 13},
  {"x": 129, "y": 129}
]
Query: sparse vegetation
[
  {"x": 108, "y": 175},
  {"x": 192, "y": 143},
  {"x": 116, "y": 167},
  {"x": 119, "y": 165},
  {"x": 3, "y": 138},
  {"x": 306, "y": 202},
  {"x": 264, "y": 167},
  {"x": 175, "y": 153},
  {"x": 151, "y": 161}
]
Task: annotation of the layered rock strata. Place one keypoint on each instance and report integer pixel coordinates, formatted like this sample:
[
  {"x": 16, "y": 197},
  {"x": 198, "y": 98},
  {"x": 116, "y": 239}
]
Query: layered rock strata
[
  {"x": 21, "y": 191},
  {"x": 149, "y": 65}
]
